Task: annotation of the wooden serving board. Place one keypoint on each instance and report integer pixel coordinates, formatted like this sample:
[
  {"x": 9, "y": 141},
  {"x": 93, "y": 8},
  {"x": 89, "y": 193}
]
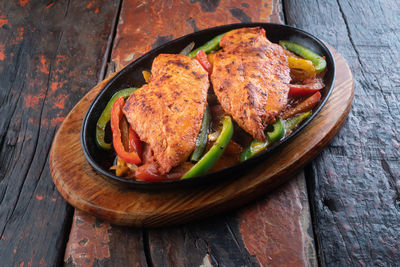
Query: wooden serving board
[{"x": 87, "y": 190}]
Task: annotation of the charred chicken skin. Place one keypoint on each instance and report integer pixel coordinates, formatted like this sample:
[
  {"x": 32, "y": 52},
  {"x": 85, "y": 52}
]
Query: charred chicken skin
[
  {"x": 167, "y": 112},
  {"x": 251, "y": 79}
]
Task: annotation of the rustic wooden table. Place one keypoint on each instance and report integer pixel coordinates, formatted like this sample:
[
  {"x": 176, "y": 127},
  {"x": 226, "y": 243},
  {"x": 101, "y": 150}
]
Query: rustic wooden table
[{"x": 343, "y": 209}]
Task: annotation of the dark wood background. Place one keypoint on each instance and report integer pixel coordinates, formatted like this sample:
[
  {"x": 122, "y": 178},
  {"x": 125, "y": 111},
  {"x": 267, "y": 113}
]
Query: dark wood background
[{"x": 53, "y": 52}]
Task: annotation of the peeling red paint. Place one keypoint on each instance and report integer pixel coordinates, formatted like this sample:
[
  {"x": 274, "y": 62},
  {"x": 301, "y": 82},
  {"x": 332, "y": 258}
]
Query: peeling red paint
[
  {"x": 23, "y": 2},
  {"x": 271, "y": 229},
  {"x": 96, "y": 10},
  {"x": 142, "y": 21},
  {"x": 2, "y": 55},
  {"x": 33, "y": 100},
  {"x": 3, "y": 21},
  {"x": 45, "y": 122},
  {"x": 88, "y": 240},
  {"x": 89, "y": 5},
  {"x": 54, "y": 86},
  {"x": 39, "y": 197},
  {"x": 61, "y": 59},
  {"x": 20, "y": 32},
  {"x": 57, "y": 121},
  {"x": 48, "y": 6},
  {"x": 60, "y": 103},
  {"x": 42, "y": 263},
  {"x": 44, "y": 65}
]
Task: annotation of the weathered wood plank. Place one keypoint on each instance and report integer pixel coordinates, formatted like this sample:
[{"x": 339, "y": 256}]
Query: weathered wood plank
[
  {"x": 49, "y": 55},
  {"x": 210, "y": 242},
  {"x": 355, "y": 183},
  {"x": 146, "y": 25},
  {"x": 274, "y": 231},
  {"x": 282, "y": 220},
  {"x": 93, "y": 243}
]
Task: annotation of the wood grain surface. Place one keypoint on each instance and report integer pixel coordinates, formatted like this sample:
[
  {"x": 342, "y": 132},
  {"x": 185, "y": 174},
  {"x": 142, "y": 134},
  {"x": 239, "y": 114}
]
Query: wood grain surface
[
  {"x": 355, "y": 182},
  {"x": 87, "y": 190},
  {"x": 50, "y": 55}
]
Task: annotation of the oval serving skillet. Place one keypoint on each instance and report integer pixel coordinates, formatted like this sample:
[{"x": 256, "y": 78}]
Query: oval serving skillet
[{"x": 131, "y": 76}]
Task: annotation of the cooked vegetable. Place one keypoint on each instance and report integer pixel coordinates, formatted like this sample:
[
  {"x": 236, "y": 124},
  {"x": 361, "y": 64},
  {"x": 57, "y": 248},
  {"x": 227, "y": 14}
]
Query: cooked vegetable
[
  {"x": 211, "y": 45},
  {"x": 288, "y": 126},
  {"x": 121, "y": 168},
  {"x": 116, "y": 116},
  {"x": 146, "y": 75},
  {"x": 211, "y": 58},
  {"x": 201, "y": 141},
  {"x": 201, "y": 57},
  {"x": 134, "y": 142},
  {"x": 187, "y": 49},
  {"x": 293, "y": 122},
  {"x": 318, "y": 61},
  {"x": 307, "y": 88},
  {"x": 215, "y": 152},
  {"x": 304, "y": 65},
  {"x": 278, "y": 132},
  {"x": 106, "y": 115},
  {"x": 256, "y": 147},
  {"x": 149, "y": 173},
  {"x": 307, "y": 104}
]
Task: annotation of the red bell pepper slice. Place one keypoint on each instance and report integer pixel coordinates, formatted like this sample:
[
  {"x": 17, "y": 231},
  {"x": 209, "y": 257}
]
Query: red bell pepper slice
[
  {"x": 306, "y": 89},
  {"x": 116, "y": 116},
  {"x": 304, "y": 106},
  {"x": 201, "y": 57},
  {"x": 149, "y": 173},
  {"x": 134, "y": 142}
]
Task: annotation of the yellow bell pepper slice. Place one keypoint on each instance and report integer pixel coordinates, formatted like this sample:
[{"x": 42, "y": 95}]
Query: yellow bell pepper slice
[
  {"x": 304, "y": 65},
  {"x": 146, "y": 76}
]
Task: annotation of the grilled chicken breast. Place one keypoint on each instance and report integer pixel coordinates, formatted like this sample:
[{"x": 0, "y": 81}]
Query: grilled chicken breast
[
  {"x": 250, "y": 78},
  {"x": 167, "y": 112}
]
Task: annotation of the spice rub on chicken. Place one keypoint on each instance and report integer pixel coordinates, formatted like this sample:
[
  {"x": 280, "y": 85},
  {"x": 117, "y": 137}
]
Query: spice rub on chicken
[
  {"x": 167, "y": 112},
  {"x": 251, "y": 79}
]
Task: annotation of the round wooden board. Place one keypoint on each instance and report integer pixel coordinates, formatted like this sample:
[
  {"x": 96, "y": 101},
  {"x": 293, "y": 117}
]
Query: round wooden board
[{"x": 84, "y": 189}]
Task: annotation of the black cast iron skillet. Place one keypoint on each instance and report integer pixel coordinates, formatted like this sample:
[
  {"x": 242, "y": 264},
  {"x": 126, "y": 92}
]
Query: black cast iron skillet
[{"x": 131, "y": 76}]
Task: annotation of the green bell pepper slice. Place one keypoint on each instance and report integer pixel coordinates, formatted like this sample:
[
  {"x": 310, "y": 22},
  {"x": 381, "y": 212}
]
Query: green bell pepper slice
[
  {"x": 318, "y": 61},
  {"x": 256, "y": 147},
  {"x": 215, "y": 152},
  {"x": 201, "y": 141},
  {"x": 211, "y": 45},
  {"x": 281, "y": 129},
  {"x": 293, "y": 122},
  {"x": 106, "y": 116},
  {"x": 185, "y": 51}
]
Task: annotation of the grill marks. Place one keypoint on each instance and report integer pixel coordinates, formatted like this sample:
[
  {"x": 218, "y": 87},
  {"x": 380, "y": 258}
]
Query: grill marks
[
  {"x": 167, "y": 112},
  {"x": 250, "y": 78}
]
